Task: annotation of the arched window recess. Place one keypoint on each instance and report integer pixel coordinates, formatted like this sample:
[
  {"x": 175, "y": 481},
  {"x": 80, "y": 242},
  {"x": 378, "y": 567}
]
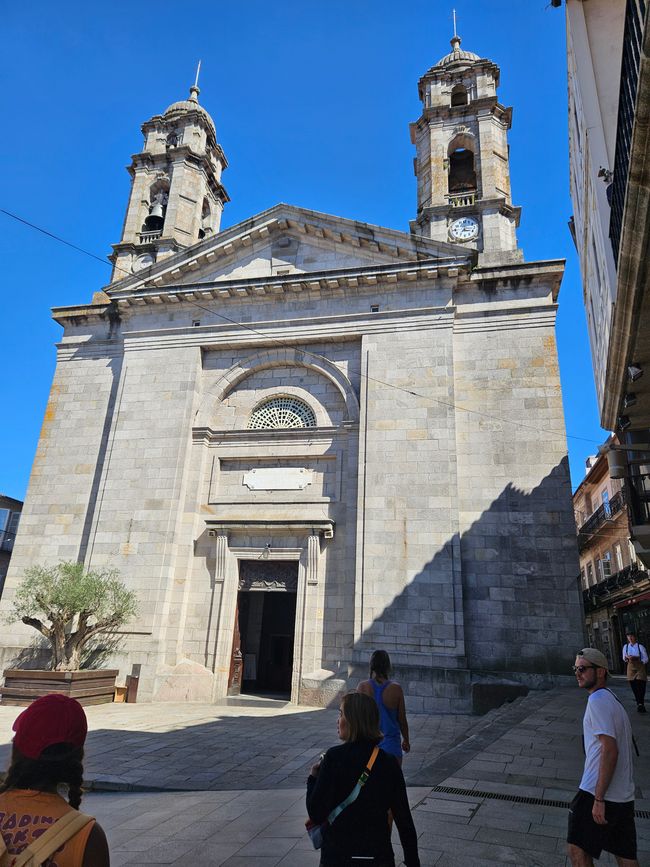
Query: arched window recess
[
  {"x": 462, "y": 171},
  {"x": 459, "y": 95},
  {"x": 206, "y": 228},
  {"x": 155, "y": 220}
]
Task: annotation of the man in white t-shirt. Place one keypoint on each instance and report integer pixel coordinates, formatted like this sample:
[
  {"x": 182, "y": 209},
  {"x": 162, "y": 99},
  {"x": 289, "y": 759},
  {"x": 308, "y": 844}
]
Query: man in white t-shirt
[{"x": 601, "y": 816}]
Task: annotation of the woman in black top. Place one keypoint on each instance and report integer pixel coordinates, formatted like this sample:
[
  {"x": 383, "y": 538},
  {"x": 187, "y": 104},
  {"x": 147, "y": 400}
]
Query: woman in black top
[{"x": 360, "y": 835}]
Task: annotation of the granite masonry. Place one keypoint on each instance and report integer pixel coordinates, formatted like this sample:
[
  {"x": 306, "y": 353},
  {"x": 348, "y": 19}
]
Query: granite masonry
[{"x": 303, "y": 437}]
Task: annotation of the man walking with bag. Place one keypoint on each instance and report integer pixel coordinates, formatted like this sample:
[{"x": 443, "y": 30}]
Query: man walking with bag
[{"x": 601, "y": 816}]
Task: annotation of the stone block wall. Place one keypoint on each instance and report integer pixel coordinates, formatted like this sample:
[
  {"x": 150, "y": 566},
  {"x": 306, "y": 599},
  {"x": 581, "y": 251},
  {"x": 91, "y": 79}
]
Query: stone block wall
[{"x": 519, "y": 555}]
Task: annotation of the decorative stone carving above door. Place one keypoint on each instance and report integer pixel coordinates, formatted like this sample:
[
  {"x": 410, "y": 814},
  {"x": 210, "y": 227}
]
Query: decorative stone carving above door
[{"x": 268, "y": 575}]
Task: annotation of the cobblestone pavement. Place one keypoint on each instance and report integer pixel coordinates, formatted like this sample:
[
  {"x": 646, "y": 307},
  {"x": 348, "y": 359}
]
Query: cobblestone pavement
[{"x": 506, "y": 777}]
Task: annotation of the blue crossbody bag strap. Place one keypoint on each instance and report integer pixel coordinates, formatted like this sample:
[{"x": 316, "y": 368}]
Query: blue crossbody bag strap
[{"x": 354, "y": 794}]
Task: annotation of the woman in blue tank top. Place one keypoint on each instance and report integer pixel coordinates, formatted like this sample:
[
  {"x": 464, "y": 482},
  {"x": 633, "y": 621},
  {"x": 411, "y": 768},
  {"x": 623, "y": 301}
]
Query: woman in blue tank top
[{"x": 390, "y": 700}]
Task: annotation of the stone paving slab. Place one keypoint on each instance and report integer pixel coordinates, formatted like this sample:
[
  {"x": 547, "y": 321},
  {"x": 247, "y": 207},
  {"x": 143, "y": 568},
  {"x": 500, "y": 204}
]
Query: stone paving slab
[
  {"x": 255, "y": 824},
  {"x": 544, "y": 729},
  {"x": 136, "y": 747}
]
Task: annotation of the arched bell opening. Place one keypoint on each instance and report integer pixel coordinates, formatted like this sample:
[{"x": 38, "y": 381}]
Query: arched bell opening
[
  {"x": 158, "y": 198},
  {"x": 206, "y": 228},
  {"x": 459, "y": 95},
  {"x": 462, "y": 167}
]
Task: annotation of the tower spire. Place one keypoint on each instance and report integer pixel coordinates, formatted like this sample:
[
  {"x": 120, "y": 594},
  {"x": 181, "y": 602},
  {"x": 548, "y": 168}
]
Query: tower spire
[
  {"x": 194, "y": 89},
  {"x": 455, "y": 39}
]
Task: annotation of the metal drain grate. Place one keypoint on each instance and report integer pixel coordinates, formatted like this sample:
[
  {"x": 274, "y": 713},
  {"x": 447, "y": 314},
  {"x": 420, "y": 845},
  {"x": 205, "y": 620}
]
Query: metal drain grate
[{"x": 517, "y": 799}]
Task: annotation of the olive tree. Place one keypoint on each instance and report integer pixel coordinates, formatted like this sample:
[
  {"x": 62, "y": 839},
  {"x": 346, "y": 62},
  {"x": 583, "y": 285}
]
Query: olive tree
[{"x": 70, "y": 606}]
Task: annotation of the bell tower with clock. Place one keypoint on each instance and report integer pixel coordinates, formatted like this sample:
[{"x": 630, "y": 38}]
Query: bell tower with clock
[{"x": 462, "y": 164}]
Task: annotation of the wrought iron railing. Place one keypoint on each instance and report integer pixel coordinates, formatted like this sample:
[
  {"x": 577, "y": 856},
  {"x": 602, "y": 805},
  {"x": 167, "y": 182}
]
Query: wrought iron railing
[
  {"x": 639, "y": 497},
  {"x": 603, "y": 513},
  {"x": 632, "y": 36},
  {"x": 593, "y": 597}
]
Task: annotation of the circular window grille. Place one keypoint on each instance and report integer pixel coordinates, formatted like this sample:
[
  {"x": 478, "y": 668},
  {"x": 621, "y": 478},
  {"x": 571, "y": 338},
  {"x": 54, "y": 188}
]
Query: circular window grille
[{"x": 282, "y": 412}]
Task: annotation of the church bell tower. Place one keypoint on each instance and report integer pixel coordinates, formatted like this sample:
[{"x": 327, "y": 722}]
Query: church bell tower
[
  {"x": 462, "y": 163},
  {"x": 176, "y": 195}
]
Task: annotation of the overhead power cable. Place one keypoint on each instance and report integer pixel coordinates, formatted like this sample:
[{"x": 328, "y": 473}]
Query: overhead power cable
[{"x": 285, "y": 345}]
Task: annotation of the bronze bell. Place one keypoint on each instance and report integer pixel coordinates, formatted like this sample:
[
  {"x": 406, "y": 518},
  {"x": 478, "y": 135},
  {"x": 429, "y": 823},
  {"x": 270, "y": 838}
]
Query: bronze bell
[
  {"x": 156, "y": 218},
  {"x": 156, "y": 210}
]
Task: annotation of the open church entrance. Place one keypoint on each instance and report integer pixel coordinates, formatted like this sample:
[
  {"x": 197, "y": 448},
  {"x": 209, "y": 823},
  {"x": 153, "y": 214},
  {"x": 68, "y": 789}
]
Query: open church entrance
[{"x": 262, "y": 659}]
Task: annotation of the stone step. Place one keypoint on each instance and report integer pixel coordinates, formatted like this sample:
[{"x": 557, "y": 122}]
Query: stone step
[{"x": 271, "y": 702}]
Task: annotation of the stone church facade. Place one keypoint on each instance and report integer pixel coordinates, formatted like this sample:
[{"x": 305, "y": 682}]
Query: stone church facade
[{"x": 304, "y": 437}]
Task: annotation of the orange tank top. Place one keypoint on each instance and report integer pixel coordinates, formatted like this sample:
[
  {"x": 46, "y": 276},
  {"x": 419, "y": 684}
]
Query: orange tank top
[{"x": 25, "y": 814}]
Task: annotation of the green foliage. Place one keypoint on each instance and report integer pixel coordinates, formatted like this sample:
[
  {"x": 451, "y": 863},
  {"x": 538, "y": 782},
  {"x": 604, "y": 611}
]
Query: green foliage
[
  {"x": 72, "y": 606},
  {"x": 67, "y": 589}
]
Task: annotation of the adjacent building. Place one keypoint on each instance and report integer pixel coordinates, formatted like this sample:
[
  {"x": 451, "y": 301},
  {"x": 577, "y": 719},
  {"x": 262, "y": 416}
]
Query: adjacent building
[
  {"x": 10, "y": 510},
  {"x": 608, "y": 42},
  {"x": 614, "y": 582},
  {"x": 304, "y": 437}
]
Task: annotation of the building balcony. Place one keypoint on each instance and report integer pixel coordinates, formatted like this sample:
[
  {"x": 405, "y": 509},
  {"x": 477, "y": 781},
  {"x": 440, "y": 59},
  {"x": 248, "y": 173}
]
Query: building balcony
[
  {"x": 606, "y": 512},
  {"x": 638, "y": 487},
  {"x": 613, "y": 589}
]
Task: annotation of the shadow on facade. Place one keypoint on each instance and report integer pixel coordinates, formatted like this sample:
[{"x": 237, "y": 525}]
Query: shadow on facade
[
  {"x": 94, "y": 497},
  {"x": 518, "y": 611}
]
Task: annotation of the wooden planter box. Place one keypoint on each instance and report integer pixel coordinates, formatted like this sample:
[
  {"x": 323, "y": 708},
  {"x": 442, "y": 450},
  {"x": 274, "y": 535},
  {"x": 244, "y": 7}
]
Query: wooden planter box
[{"x": 22, "y": 686}]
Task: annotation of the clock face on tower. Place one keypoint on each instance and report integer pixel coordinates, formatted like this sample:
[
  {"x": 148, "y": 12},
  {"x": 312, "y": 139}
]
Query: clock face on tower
[{"x": 464, "y": 229}]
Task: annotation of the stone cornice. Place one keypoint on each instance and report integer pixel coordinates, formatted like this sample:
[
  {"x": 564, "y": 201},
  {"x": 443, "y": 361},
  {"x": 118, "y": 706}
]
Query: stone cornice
[
  {"x": 402, "y": 246},
  {"x": 290, "y": 332},
  {"x": 512, "y": 275},
  {"x": 90, "y": 348},
  {"x": 291, "y": 285},
  {"x": 504, "y": 318},
  {"x": 451, "y": 73},
  {"x": 499, "y": 203},
  {"x": 446, "y": 112},
  {"x": 304, "y": 438},
  {"x": 322, "y": 525},
  {"x": 83, "y": 313},
  {"x": 319, "y": 284}
]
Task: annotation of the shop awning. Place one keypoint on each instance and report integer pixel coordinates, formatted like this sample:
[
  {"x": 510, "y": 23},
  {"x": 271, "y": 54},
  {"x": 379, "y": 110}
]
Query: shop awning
[{"x": 642, "y": 597}]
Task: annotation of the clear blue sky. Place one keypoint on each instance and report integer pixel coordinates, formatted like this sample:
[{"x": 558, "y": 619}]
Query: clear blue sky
[{"x": 311, "y": 101}]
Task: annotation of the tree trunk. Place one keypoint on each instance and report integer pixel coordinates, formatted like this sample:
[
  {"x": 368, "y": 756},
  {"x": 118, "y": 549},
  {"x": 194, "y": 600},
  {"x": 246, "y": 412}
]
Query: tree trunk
[
  {"x": 58, "y": 648},
  {"x": 74, "y": 658}
]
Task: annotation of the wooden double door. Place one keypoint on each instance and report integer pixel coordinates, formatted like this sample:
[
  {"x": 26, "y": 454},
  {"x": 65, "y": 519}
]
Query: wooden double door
[{"x": 263, "y": 636}]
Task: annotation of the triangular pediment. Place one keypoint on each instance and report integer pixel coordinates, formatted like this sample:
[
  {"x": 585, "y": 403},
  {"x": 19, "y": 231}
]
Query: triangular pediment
[{"x": 285, "y": 241}]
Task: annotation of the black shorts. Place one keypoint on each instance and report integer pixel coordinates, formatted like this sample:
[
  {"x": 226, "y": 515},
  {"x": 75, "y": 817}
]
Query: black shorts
[{"x": 618, "y": 836}]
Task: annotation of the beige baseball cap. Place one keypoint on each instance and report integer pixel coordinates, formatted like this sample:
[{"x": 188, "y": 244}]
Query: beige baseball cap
[{"x": 594, "y": 656}]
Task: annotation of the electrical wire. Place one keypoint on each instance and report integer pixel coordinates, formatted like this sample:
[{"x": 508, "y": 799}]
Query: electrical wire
[{"x": 304, "y": 352}]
